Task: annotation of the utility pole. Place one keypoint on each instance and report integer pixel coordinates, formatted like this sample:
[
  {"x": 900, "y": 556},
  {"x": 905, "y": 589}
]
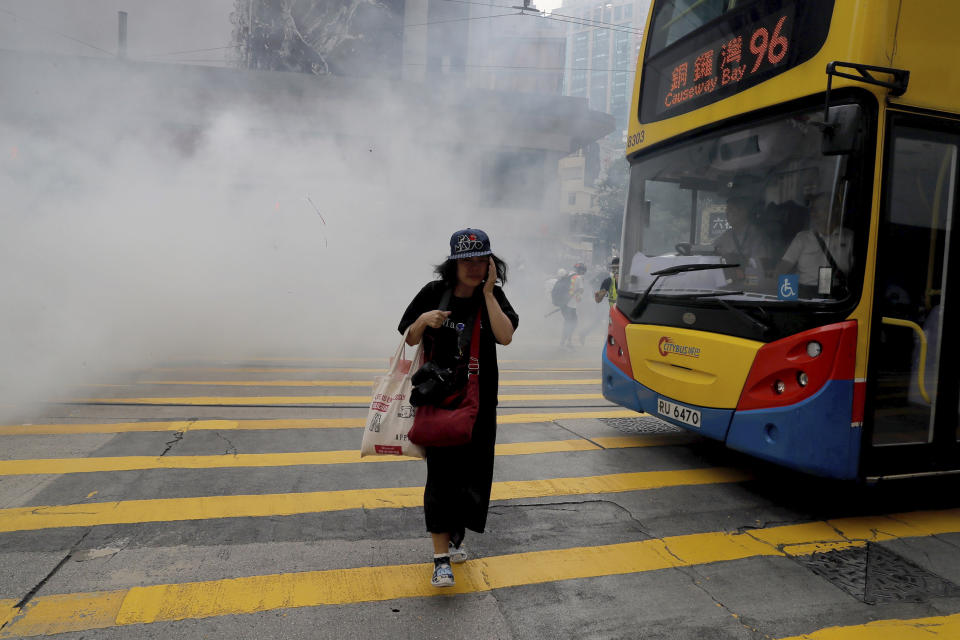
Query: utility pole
[
  {"x": 249, "y": 32},
  {"x": 122, "y": 35}
]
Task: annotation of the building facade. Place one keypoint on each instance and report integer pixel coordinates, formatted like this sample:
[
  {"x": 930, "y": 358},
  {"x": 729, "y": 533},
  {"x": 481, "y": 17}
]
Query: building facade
[
  {"x": 603, "y": 42},
  {"x": 479, "y": 46}
]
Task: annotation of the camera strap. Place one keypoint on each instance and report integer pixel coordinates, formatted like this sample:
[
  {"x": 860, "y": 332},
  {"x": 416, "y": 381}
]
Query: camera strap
[{"x": 468, "y": 337}]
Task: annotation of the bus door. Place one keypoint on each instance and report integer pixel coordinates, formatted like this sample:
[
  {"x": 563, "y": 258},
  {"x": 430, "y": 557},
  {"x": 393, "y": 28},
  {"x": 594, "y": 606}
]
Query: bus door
[{"x": 912, "y": 394}]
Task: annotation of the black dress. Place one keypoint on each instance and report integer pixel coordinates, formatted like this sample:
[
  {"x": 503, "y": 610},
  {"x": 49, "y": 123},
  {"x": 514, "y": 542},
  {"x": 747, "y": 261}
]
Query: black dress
[{"x": 457, "y": 493}]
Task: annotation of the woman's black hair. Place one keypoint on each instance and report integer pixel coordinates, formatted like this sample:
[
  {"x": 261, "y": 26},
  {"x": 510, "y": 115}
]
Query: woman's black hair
[{"x": 447, "y": 271}]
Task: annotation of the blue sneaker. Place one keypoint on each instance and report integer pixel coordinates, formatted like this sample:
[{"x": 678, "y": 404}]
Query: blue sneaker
[
  {"x": 442, "y": 574},
  {"x": 458, "y": 554}
]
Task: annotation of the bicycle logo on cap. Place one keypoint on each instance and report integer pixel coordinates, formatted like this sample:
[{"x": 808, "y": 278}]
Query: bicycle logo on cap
[{"x": 468, "y": 243}]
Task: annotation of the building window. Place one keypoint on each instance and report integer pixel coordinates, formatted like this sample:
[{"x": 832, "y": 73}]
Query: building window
[
  {"x": 619, "y": 88},
  {"x": 572, "y": 198},
  {"x": 600, "y": 70},
  {"x": 579, "y": 64},
  {"x": 617, "y": 13},
  {"x": 628, "y": 11}
]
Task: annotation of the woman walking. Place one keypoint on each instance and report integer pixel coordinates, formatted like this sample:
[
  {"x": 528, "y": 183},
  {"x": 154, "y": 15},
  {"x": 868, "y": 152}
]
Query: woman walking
[{"x": 457, "y": 492}]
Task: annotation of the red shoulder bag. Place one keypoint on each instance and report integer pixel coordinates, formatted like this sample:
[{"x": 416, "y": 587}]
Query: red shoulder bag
[{"x": 448, "y": 426}]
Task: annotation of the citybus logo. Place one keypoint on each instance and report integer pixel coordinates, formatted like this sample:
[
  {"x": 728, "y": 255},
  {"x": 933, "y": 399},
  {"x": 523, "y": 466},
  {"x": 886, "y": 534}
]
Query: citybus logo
[{"x": 667, "y": 346}]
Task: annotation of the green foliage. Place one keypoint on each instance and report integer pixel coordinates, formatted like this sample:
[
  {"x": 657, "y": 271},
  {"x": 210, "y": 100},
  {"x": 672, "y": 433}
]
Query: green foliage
[{"x": 611, "y": 201}]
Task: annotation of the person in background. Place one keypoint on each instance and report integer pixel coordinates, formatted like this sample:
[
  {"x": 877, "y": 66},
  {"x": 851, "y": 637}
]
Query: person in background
[
  {"x": 550, "y": 282},
  {"x": 457, "y": 493},
  {"x": 608, "y": 288},
  {"x": 569, "y": 307},
  {"x": 825, "y": 245},
  {"x": 589, "y": 317}
]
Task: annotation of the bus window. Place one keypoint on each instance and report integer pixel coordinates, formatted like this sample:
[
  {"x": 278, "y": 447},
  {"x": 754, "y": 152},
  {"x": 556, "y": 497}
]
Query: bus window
[
  {"x": 676, "y": 18},
  {"x": 762, "y": 199}
]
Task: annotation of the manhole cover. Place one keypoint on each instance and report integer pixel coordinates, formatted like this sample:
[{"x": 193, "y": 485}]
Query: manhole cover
[
  {"x": 874, "y": 574},
  {"x": 642, "y": 424}
]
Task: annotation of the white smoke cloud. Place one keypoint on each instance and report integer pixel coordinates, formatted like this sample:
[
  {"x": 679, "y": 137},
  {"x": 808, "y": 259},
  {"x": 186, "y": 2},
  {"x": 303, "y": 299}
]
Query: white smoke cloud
[{"x": 140, "y": 227}]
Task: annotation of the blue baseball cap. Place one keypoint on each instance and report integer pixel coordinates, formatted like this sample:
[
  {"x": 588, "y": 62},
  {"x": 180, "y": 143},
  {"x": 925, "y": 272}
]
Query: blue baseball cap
[{"x": 469, "y": 243}]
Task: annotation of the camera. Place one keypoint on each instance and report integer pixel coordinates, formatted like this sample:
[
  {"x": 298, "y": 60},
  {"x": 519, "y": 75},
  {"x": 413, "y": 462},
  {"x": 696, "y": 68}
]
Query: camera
[{"x": 432, "y": 385}]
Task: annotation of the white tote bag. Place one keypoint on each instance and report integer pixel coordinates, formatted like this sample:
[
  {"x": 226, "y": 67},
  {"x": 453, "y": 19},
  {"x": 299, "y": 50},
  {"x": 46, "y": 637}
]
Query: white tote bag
[{"x": 391, "y": 414}]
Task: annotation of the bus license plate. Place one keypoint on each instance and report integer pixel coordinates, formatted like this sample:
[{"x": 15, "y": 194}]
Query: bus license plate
[{"x": 679, "y": 412}]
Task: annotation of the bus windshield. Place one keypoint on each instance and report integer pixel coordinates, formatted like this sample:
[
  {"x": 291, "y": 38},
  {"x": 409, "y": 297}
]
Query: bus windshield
[{"x": 761, "y": 199}]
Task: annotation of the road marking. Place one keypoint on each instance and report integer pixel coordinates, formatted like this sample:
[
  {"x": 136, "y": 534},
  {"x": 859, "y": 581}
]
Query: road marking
[
  {"x": 946, "y": 627},
  {"x": 348, "y": 383},
  {"x": 256, "y": 425},
  {"x": 339, "y": 370},
  {"x": 90, "y": 514},
  {"x": 252, "y": 594},
  {"x": 58, "y": 466},
  {"x": 275, "y": 400}
]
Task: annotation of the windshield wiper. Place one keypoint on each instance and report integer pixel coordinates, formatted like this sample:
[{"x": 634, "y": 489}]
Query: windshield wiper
[
  {"x": 683, "y": 268},
  {"x": 697, "y": 296},
  {"x": 670, "y": 271}
]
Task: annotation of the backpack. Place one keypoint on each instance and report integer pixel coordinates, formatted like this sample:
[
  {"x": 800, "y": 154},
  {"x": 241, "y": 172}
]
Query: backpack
[{"x": 560, "y": 295}]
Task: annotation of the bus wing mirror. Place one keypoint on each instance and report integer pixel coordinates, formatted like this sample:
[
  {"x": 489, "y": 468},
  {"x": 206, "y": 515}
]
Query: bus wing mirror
[{"x": 841, "y": 131}]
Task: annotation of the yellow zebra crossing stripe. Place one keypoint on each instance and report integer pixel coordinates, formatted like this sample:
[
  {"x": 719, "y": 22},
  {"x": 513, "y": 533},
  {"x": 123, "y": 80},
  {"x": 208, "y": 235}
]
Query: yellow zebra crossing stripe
[
  {"x": 352, "y": 383},
  {"x": 272, "y": 400},
  {"x": 341, "y": 370},
  {"x": 946, "y": 627},
  {"x": 311, "y": 423},
  {"x": 90, "y": 514},
  {"x": 64, "y": 613},
  {"x": 131, "y": 463}
]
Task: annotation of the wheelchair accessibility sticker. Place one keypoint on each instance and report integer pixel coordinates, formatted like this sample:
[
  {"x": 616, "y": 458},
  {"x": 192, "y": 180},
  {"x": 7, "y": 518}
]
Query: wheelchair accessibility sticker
[{"x": 789, "y": 287}]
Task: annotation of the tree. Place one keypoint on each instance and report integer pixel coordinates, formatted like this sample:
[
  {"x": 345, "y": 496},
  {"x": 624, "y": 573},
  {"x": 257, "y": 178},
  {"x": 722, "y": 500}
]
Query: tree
[
  {"x": 319, "y": 37},
  {"x": 611, "y": 200}
]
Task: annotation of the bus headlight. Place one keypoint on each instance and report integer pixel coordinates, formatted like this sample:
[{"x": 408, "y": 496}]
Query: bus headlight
[
  {"x": 802, "y": 378},
  {"x": 779, "y": 386},
  {"x": 814, "y": 348}
]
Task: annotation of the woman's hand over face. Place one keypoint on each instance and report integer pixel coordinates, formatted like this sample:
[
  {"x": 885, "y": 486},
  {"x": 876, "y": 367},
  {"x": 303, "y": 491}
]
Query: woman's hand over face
[{"x": 491, "y": 277}]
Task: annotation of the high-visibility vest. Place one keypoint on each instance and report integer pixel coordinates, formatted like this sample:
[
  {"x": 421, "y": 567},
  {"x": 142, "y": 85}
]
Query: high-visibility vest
[{"x": 613, "y": 290}]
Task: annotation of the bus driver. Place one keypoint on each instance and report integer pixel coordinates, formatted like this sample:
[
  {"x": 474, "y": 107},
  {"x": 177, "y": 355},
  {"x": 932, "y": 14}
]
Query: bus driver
[{"x": 821, "y": 254}]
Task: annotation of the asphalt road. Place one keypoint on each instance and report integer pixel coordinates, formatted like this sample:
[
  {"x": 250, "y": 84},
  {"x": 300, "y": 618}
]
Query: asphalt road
[{"x": 227, "y": 500}]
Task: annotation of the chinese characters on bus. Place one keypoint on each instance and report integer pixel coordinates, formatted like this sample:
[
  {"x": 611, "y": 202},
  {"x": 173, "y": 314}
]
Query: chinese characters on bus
[{"x": 726, "y": 64}]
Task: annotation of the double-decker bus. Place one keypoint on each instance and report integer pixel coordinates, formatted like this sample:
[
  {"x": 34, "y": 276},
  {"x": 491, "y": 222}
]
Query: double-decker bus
[{"x": 790, "y": 234}]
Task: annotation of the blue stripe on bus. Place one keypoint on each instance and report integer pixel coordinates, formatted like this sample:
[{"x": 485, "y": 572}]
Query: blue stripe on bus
[
  {"x": 627, "y": 392},
  {"x": 813, "y": 435}
]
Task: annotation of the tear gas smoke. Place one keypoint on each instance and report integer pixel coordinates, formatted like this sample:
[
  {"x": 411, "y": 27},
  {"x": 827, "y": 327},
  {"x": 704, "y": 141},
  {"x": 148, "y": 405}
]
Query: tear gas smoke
[{"x": 150, "y": 218}]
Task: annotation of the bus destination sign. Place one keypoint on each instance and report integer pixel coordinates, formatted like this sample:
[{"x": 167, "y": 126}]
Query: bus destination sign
[
  {"x": 728, "y": 62},
  {"x": 731, "y": 55}
]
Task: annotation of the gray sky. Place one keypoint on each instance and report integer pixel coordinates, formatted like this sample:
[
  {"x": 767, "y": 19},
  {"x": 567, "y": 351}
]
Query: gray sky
[{"x": 154, "y": 28}]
